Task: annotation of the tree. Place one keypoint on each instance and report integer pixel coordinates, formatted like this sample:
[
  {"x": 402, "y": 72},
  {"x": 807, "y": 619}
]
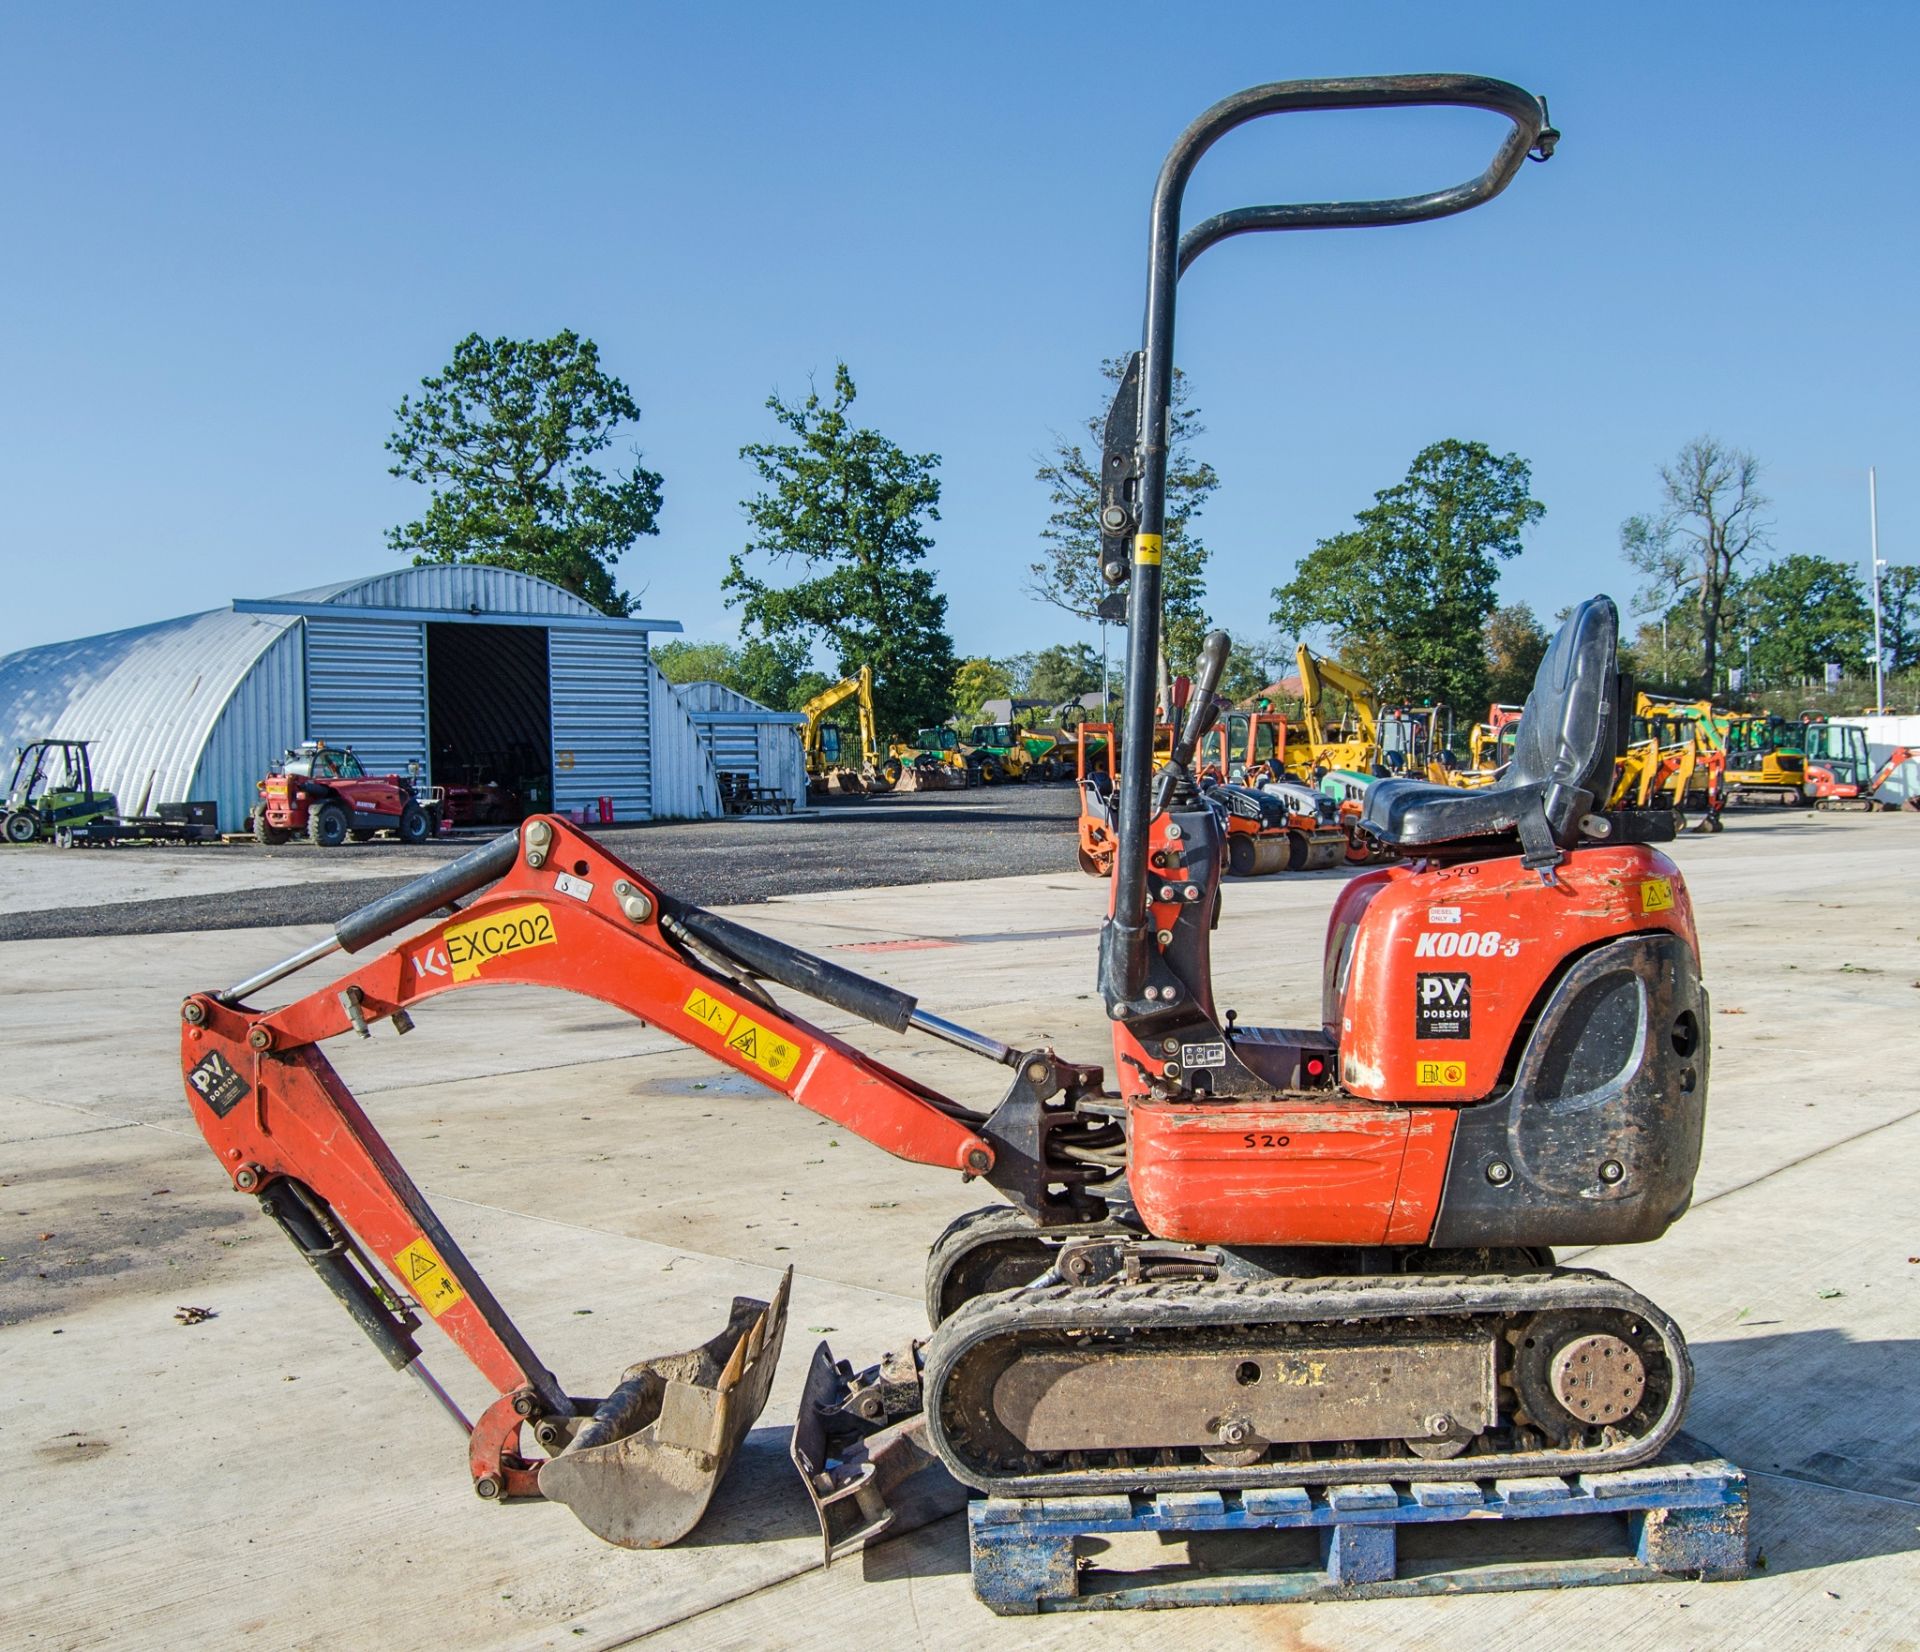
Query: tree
[
  {"x": 502, "y": 436},
  {"x": 774, "y": 671},
  {"x": 1900, "y": 617},
  {"x": 1408, "y": 592},
  {"x": 1253, "y": 666},
  {"x": 1063, "y": 672},
  {"x": 1068, "y": 573},
  {"x": 1712, "y": 514},
  {"x": 976, "y": 682},
  {"x": 1516, "y": 644},
  {"x": 1801, "y": 612},
  {"x": 850, "y": 507}
]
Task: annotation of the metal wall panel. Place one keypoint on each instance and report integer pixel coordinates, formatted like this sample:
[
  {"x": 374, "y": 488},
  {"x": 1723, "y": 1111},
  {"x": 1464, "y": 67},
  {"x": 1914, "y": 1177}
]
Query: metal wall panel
[
  {"x": 450, "y": 589},
  {"x": 742, "y": 736},
  {"x": 367, "y": 688},
  {"x": 148, "y": 698},
  {"x": 602, "y": 693},
  {"x": 265, "y": 715}
]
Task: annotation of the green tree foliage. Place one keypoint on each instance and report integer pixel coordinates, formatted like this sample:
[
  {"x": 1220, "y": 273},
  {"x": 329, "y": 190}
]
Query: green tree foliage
[
  {"x": 1068, "y": 572},
  {"x": 850, "y": 508},
  {"x": 1516, "y": 644},
  {"x": 1063, "y": 672},
  {"x": 976, "y": 682},
  {"x": 1900, "y": 617},
  {"x": 1407, "y": 593},
  {"x": 1801, "y": 613},
  {"x": 502, "y": 436},
  {"x": 773, "y": 671},
  {"x": 1712, "y": 515},
  {"x": 1254, "y": 666}
]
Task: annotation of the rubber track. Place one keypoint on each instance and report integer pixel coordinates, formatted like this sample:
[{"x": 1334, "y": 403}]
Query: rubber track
[{"x": 1209, "y": 1304}]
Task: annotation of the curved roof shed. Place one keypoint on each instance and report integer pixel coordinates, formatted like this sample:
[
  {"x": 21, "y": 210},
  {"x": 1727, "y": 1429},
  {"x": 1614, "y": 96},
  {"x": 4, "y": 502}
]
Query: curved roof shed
[{"x": 198, "y": 707}]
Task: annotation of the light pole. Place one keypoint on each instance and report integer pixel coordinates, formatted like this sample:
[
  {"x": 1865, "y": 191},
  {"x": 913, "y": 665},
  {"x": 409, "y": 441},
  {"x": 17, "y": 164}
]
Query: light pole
[{"x": 1873, "y": 531}]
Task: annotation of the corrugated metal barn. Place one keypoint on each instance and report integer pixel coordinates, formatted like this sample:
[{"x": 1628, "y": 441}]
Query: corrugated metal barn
[
  {"x": 744, "y": 737},
  {"x": 476, "y": 674}
]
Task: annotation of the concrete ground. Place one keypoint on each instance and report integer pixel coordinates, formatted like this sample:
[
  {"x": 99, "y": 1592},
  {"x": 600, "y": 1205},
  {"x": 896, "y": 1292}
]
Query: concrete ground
[{"x": 260, "y": 1479}]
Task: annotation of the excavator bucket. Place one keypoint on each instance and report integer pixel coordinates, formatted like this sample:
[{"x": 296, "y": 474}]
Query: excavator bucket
[{"x": 642, "y": 1469}]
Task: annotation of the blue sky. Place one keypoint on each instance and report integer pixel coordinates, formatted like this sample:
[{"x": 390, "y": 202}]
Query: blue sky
[{"x": 234, "y": 236}]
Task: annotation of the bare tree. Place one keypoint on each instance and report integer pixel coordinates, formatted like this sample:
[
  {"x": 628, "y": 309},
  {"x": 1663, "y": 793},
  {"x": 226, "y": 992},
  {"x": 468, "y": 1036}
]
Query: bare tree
[
  {"x": 1068, "y": 574},
  {"x": 1712, "y": 513}
]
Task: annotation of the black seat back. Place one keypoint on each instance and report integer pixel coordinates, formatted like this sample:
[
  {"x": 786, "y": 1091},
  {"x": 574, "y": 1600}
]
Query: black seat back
[{"x": 1567, "y": 728}]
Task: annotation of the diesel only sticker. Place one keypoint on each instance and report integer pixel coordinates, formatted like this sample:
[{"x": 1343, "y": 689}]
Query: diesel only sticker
[
  {"x": 1443, "y": 1006},
  {"x": 216, "y": 1083}
]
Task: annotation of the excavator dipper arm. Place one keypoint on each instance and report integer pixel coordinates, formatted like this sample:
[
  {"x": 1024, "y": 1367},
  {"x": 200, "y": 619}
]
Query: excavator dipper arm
[{"x": 555, "y": 909}]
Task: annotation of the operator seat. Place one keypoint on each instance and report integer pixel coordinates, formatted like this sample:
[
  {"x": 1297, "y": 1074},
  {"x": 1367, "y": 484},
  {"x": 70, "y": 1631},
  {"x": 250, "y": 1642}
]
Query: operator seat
[{"x": 1562, "y": 767}]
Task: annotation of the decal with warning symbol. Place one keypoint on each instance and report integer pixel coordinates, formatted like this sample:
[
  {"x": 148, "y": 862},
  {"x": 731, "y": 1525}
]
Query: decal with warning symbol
[
  {"x": 1656, "y": 895},
  {"x": 708, "y": 1011},
  {"x": 423, "y": 1273},
  {"x": 768, "y": 1050},
  {"x": 762, "y": 1046},
  {"x": 1441, "y": 1075}
]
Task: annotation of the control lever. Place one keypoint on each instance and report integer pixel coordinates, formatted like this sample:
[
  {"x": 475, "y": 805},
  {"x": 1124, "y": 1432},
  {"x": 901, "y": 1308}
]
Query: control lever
[{"x": 1205, "y": 705}]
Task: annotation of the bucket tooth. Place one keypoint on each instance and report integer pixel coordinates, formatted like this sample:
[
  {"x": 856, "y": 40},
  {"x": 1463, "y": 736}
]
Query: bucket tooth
[
  {"x": 868, "y": 1486},
  {"x": 642, "y": 1469}
]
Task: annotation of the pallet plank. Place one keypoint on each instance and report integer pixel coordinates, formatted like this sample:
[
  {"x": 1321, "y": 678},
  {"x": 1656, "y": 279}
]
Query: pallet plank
[{"x": 1686, "y": 1519}]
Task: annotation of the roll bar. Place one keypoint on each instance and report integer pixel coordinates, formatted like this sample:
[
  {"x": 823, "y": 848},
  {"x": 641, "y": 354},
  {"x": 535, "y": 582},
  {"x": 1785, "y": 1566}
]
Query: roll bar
[{"x": 1123, "y": 953}]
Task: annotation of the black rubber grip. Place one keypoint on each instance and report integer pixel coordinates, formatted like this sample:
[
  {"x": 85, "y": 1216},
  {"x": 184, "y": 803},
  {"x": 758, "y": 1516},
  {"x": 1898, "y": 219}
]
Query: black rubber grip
[
  {"x": 412, "y": 901},
  {"x": 859, "y": 995}
]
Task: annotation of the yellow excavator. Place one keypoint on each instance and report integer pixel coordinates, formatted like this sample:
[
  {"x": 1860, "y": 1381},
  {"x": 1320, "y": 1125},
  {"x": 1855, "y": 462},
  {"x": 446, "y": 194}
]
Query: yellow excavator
[
  {"x": 1317, "y": 744},
  {"x": 829, "y": 770}
]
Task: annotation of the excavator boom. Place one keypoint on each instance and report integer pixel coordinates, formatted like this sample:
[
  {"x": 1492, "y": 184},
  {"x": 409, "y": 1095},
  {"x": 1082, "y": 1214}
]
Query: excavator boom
[{"x": 552, "y": 908}]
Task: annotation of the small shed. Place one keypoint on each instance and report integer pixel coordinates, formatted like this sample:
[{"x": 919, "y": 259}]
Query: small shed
[{"x": 742, "y": 736}]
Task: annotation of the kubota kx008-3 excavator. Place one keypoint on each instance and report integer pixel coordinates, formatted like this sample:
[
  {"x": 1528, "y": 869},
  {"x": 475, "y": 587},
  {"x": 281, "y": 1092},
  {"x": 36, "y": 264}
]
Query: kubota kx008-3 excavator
[{"x": 1242, "y": 1255}]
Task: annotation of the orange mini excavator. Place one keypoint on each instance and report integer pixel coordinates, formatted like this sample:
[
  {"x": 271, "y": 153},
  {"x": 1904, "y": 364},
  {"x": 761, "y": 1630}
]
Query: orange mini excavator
[{"x": 1239, "y": 1256}]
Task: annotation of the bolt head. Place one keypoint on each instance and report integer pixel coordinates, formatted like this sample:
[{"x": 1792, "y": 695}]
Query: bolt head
[
  {"x": 1611, "y": 1171},
  {"x": 1439, "y": 1425},
  {"x": 524, "y": 1405},
  {"x": 1037, "y": 1071},
  {"x": 1499, "y": 1172},
  {"x": 487, "y": 1487},
  {"x": 260, "y": 1038},
  {"x": 193, "y": 1014},
  {"x": 536, "y": 860},
  {"x": 1235, "y": 1433},
  {"x": 979, "y": 1160},
  {"x": 246, "y": 1179}
]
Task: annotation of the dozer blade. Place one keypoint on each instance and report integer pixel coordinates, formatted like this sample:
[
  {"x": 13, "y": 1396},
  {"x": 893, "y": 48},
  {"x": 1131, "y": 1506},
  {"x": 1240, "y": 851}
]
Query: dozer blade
[
  {"x": 642, "y": 1469},
  {"x": 872, "y": 1486}
]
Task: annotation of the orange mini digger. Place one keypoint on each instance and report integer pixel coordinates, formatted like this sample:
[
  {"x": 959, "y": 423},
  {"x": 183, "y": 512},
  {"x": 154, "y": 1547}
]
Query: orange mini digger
[{"x": 1240, "y": 1255}]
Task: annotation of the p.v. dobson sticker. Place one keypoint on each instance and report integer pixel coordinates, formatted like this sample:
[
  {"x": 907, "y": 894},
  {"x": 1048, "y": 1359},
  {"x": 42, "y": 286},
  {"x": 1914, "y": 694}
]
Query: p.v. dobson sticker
[{"x": 1443, "y": 1005}]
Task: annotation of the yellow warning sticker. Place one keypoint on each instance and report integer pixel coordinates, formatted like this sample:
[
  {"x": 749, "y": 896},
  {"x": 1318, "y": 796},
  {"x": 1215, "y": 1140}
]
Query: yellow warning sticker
[
  {"x": 762, "y": 1046},
  {"x": 423, "y": 1273},
  {"x": 518, "y": 929},
  {"x": 1146, "y": 548},
  {"x": 1656, "y": 895},
  {"x": 708, "y": 1011},
  {"x": 1441, "y": 1075}
]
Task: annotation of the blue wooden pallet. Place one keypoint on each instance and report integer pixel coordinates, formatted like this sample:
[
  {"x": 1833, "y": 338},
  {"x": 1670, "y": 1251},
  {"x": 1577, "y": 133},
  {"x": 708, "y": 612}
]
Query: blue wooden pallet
[{"x": 1681, "y": 1516}]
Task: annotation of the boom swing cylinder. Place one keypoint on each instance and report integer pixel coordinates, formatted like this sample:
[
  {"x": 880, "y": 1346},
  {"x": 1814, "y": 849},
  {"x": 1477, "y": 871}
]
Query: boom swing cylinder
[{"x": 1260, "y": 1255}]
